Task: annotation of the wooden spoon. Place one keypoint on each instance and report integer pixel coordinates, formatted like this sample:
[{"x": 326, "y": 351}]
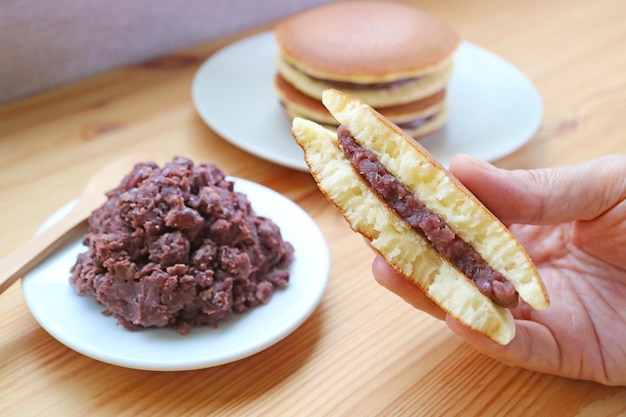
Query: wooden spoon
[{"x": 39, "y": 247}]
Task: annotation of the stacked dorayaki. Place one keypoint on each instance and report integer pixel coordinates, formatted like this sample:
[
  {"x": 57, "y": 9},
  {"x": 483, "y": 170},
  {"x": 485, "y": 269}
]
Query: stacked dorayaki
[{"x": 396, "y": 58}]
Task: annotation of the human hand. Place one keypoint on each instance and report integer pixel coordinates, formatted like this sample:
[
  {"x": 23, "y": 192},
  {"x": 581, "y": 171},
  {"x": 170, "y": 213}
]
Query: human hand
[{"x": 572, "y": 222}]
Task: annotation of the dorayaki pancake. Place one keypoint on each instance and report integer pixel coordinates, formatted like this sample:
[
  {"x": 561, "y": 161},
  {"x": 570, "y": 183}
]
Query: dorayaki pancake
[
  {"x": 366, "y": 42},
  {"x": 417, "y": 118},
  {"x": 406, "y": 249},
  {"x": 406, "y": 91},
  {"x": 395, "y": 53}
]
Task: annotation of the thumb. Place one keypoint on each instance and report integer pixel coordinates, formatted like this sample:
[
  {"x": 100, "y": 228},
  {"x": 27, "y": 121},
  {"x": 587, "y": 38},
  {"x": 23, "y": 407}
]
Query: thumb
[{"x": 545, "y": 196}]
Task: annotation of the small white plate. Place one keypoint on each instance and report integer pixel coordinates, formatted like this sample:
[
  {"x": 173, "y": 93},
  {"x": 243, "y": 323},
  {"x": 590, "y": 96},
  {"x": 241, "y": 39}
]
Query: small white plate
[
  {"x": 494, "y": 108},
  {"x": 78, "y": 322}
]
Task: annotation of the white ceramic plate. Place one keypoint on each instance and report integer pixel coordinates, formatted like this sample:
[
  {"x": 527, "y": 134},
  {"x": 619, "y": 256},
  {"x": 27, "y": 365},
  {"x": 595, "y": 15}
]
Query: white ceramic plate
[
  {"x": 494, "y": 108},
  {"x": 77, "y": 321}
]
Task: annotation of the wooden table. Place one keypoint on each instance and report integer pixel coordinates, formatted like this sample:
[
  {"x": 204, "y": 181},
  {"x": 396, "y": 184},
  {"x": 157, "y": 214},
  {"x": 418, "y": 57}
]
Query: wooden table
[{"x": 363, "y": 351}]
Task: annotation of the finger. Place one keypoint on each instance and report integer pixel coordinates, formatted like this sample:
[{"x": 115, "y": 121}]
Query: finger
[
  {"x": 545, "y": 196},
  {"x": 396, "y": 283},
  {"x": 533, "y": 346}
]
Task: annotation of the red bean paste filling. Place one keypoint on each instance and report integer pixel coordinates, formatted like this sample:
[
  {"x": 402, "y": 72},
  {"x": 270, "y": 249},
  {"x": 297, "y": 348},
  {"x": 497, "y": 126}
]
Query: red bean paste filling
[
  {"x": 178, "y": 247},
  {"x": 428, "y": 224},
  {"x": 381, "y": 85},
  {"x": 349, "y": 85},
  {"x": 414, "y": 124}
]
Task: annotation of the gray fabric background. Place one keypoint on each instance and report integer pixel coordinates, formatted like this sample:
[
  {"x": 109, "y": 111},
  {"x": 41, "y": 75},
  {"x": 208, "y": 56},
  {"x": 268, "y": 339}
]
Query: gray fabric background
[{"x": 47, "y": 43}]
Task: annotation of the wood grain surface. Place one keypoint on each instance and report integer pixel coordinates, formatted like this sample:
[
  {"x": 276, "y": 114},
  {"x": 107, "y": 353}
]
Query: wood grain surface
[{"x": 363, "y": 351}]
